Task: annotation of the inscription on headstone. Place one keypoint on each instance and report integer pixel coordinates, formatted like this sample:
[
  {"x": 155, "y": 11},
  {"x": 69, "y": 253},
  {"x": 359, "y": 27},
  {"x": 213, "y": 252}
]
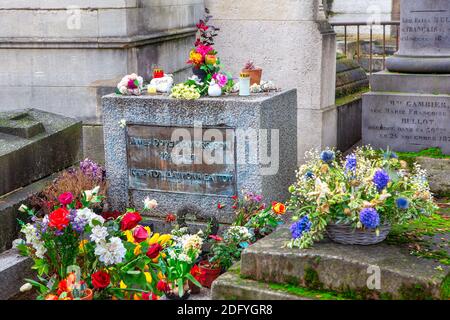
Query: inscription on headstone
[
  {"x": 407, "y": 123},
  {"x": 182, "y": 159},
  {"x": 425, "y": 28},
  {"x": 424, "y": 38}
]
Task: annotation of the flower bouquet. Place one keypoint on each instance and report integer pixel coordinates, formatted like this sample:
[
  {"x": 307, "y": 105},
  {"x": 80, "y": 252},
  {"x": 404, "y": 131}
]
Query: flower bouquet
[
  {"x": 131, "y": 84},
  {"x": 76, "y": 250},
  {"x": 205, "y": 65},
  {"x": 355, "y": 199}
]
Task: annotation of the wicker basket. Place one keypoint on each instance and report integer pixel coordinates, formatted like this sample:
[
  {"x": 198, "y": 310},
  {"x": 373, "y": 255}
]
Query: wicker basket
[{"x": 347, "y": 234}]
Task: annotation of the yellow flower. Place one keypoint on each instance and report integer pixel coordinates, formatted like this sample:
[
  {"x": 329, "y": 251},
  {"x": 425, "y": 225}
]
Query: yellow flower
[
  {"x": 122, "y": 285},
  {"x": 129, "y": 236},
  {"x": 164, "y": 238},
  {"x": 148, "y": 277},
  {"x": 161, "y": 276},
  {"x": 137, "y": 250},
  {"x": 82, "y": 245}
]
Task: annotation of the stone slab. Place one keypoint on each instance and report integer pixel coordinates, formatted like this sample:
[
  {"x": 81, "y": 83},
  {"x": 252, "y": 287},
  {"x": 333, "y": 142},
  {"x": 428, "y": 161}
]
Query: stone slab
[
  {"x": 261, "y": 111},
  {"x": 349, "y": 129},
  {"x": 13, "y": 270},
  {"x": 341, "y": 267},
  {"x": 392, "y": 82},
  {"x": 23, "y": 161},
  {"x": 229, "y": 286},
  {"x": 438, "y": 174},
  {"x": 406, "y": 122}
]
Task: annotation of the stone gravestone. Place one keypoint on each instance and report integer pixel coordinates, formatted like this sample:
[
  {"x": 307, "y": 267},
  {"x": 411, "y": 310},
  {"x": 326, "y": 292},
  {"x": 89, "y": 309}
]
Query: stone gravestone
[
  {"x": 409, "y": 106},
  {"x": 33, "y": 145},
  {"x": 195, "y": 155}
]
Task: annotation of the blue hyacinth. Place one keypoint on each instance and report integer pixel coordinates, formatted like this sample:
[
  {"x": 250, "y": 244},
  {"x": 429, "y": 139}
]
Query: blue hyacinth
[
  {"x": 309, "y": 175},
  {"x": 350, "y": 163},
  {"x": 327, "y": 156},
  {"x": 370, "y": 218},
  {"x": 299, "y": 227},
  {"x": 402, "y": 203},
  {"x": 381, "y": 179}
]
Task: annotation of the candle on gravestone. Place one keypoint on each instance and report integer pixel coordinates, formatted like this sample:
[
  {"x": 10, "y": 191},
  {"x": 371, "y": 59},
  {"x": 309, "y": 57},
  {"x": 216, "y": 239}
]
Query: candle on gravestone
[{"x": 244, "y": 84}]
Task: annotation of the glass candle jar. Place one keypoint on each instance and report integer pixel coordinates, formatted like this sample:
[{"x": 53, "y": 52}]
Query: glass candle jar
[
  {"x": 158, "y": 73},
  {"x": 244, "y": 84}
]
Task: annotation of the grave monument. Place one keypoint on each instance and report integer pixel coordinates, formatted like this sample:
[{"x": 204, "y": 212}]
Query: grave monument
[
  {"x": 408, "y": 108},
  {"x": 227, "y": 144}
]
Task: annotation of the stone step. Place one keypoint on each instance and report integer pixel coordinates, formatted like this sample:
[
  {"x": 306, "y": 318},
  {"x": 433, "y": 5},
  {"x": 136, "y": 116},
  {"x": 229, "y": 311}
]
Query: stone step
[
  {"x": 344, "y": 268},
  {"x": 14, "y": 268},
  {"x": 230, "y": 286}
]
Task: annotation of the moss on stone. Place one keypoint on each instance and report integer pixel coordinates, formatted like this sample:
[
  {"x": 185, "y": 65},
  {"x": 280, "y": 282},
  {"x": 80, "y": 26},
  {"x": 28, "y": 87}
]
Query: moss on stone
[
  {"x": 415, "y": 292},
  {"x": 311, "y": 279},
  {"x": 306, "y": 292},
  {"x": 435, "y": 153},
  {"x": 445, "y": 288},
  {"x": 350, "y": 97}
]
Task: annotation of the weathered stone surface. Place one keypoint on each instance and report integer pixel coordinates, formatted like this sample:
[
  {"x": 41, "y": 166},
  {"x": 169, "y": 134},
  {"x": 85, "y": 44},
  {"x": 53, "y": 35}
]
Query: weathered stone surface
[
  {"x": 424, "y": 38},
  {"x": 350, "y": 77},
  {"x": 261, "y": 111},
  {"x": 23, "y": 161},
  {"x": 349, "y": 124},
  {"x": 9, "y": 205},
  {"x": 341, "y": 267},
  {"x": 230, "y": 286},
  {"x": 406, "y": 122},
  {"x": 392, "y": 82},
  {"x": 438, "y": 173},
  {"x": 13, "y": 270},
  {"x": 93, "y": 144}
]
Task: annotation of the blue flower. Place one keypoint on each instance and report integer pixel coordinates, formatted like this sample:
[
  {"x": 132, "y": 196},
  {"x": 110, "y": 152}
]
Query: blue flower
[
  {"x": 327, "y": 156},
  {"x": 402, "y": 203},
  {"x": 390, "y": 155},
  {"x": 309, "y": 175},
  {"x": 381, "y": 179},
  {"x": 370, "y": 218},
  {"x": 297, "y": 228},
  {"x": 350, "y": 163}
]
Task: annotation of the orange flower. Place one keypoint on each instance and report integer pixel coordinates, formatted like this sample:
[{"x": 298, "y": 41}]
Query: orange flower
[
  {"x": 51, "y": 297},
  {"x": 278, "y": 208},
  {"x": 195, "y": 58}
]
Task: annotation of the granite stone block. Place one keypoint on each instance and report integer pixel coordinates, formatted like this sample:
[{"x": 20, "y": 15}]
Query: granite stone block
[
  {"x": 260, "y": 111},
  {"x": 24, "y": 160}
]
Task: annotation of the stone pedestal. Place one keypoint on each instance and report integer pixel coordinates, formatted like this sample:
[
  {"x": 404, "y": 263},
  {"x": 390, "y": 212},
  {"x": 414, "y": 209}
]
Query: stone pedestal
[
  {"x": 63, "y": 56},
  {"x": 407, "y": 112},
  {"x": 424, "y": 38},
  {"x": 256, "y": 136},
  {"x": 296, "y": 47},
  {"x": 410, "y": 110}
]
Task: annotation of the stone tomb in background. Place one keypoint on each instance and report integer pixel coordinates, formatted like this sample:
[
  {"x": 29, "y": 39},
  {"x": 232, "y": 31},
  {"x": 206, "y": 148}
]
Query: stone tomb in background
[
  {"x": 193, "y": 155},
  {"x": 408, "y": 108}
]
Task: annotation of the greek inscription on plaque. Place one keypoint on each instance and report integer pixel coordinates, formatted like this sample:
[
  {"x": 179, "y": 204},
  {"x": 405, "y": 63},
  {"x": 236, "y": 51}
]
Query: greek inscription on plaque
[{"x": 182, "y": 159}]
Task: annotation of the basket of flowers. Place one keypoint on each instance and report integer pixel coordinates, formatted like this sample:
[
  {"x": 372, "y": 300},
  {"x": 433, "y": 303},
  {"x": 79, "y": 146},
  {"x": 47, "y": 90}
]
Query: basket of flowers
[{"x": 357, "y": 198}]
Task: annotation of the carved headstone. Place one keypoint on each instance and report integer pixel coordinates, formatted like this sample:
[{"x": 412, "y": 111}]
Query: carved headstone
[
  {"x": 424, "y": 38},
  {"x": 409, "y": 109}
]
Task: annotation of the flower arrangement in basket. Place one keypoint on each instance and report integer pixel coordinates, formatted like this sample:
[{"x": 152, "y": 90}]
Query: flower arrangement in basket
[
  {"x": 205, "y": 65},
  {"x": 355, "y": 199}
]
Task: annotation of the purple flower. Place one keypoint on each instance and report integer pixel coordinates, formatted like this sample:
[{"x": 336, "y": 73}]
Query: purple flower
[
  {"x": 370, "y": 218},
  {"x": 381, "y": 179},
  {"x": 350, "y": 163},
  {"x": 299, "y": 227},
  {"x": 77, "y": 224},
  {"x": 90, "y": 168}
]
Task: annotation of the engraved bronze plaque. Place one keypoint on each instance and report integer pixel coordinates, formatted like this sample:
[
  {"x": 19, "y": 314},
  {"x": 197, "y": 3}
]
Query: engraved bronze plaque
[{"x": 182, "y": 159}]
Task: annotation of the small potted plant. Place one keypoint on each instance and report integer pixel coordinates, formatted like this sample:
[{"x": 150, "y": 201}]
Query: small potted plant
[{"x": 254, "y": 72}]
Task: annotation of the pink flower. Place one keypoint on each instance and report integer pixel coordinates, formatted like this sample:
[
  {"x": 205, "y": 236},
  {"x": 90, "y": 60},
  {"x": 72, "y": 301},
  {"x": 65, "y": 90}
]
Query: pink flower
[
  {"x": 131, "y": 84},
  {"x": 220, "y": 79},
  {"x": 204, "y": 50},
  {"x": 65, "y": 198}
]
